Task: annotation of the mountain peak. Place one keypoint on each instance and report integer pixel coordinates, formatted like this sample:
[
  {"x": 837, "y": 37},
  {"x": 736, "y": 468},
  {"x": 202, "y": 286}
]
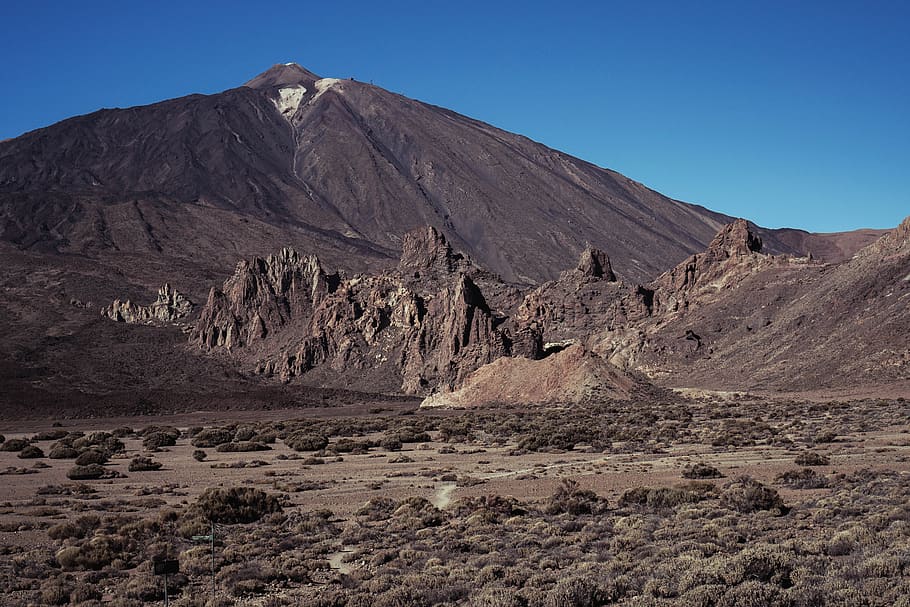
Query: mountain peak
[{"x": 283, "y": 74}]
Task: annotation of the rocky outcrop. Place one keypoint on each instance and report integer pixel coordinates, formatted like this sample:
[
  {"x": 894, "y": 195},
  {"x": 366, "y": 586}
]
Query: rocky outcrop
[
  {"x": 169, "y": 307},
  {"x": 425, "y": 325},
  {"x": 426, "y": 251},
  {"x": 733, "y": 253},
  {"x": 594, "y": 263},
  {"x": 460, "y": 334},
  {"x": 583, "y": 300},
  {"x": 573, "y": 375},
  {"x": 262, "y": 296}
]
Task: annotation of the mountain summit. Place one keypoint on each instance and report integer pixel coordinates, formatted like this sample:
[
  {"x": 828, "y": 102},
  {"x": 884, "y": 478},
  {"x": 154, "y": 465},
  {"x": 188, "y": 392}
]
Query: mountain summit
[
  {"x": 282, "y": 74},
  {"x": 339, "y": 167}
]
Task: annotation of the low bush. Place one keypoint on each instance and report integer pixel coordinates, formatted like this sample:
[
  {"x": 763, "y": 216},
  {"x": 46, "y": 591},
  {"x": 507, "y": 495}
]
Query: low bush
[
  {"x": 700, "y": 471},
  {"x": 235, "y": 505},
  {"x": 241, "y": 447},
  {"x": 30, "y": 452},
  {"x": 156, "y": 440},
  {"x": 144, "y": 464},
  {"x": 91, "y": 456},
  {"x": 746, "y": 495},
  {"x": 804, "y": 478},
  {"x": 304, "y": 441},
  {"x": 63, "y": 452},
  {"x": 89, "y": 472},
  {"x": 14, "y": 444},
  {"x": 212, "y": 437},
  {"x": 199, "y": 455},
  {"x": 569, "y": 499},
  {"x": 812, "y": 458}
]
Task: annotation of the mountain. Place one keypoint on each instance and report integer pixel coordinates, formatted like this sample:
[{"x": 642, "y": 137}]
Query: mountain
[
  {"x": 317, "y": 183},
  {"x": 338, "y": 167}
]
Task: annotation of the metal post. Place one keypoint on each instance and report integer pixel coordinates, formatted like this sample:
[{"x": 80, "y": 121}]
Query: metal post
[{"x": 213, "y": 562}]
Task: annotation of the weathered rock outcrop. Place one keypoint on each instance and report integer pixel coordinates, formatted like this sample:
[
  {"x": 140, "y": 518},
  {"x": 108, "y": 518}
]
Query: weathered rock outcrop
[
  {"x": 424, "y": 326},
  {"x": 262, "y": 296},
  {"x": 734, "y": 252},
  {"x": 169, "y": 307},
  {"x": 584, "y": 300},
  {"x": 573, "y": 375}
]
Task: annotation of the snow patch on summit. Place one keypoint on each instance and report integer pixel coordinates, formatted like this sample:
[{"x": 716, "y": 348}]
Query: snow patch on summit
[{"x": 289, "y": 100}]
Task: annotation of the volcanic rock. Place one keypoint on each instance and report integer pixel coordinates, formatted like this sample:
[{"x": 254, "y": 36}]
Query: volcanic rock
[
  {"x": 169, "y": 307},
  {"x": 423, "y": 326},
  {"x": 573, "y": 375}
]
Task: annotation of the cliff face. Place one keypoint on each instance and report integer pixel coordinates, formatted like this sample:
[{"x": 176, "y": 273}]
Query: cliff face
[{"x": 421, "y": 327}]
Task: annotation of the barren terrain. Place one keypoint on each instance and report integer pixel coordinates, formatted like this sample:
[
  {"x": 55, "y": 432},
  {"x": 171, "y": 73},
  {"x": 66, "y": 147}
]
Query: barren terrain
[{"x": 768, "y": 500}]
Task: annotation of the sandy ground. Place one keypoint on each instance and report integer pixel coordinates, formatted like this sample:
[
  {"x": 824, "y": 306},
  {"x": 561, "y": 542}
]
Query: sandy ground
[{"x": 440, "y": 472}]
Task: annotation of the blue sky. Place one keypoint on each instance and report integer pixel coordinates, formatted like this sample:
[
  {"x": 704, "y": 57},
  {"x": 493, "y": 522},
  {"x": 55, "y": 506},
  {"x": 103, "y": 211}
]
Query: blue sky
[{"x": 787, "y": 113}]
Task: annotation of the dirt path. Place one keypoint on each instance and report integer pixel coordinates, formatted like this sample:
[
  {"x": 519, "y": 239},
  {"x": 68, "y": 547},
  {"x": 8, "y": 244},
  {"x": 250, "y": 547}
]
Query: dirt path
[{"x": 443, "y": 496}]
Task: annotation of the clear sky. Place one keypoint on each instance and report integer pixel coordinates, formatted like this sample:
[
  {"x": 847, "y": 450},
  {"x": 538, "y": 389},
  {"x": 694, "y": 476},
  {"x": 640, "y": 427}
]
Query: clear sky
[{"x": 787, "y": 113}]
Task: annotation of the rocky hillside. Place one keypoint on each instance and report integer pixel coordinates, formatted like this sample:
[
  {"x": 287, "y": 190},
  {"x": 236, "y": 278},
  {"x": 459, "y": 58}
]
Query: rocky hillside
[
  {"x": 337, "y": 167},
  {"x": 420, "y": 327}
]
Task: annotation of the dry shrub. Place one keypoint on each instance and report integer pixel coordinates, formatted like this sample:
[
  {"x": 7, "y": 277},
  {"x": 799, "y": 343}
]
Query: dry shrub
[
  {"x": 212, "y": 437},
  {"x": 804, "y": 478},
  {"x": 60, "y": 451},
  {"x": 812, "y": 458},
  {"x": 235, "y": 505},
  {"x": 489, "y": 508},
  {"x": 91, "y": 456},
  {"x": 156, "y": 440},
  {"x": 667, "y": 497},
  {"x": 241, "y": 447},
  {"x": 304, "y": 441},
  {"x": 14, "y": 444},
  {"x": 78, "y": 529},
  {"x": 199, "y": 455},
  {"x": 569, "y": 499},
  {"x": 577, "y": 591},
  {"x": 144, "y": 464},
  {"x": 745, "y": 494},
  {"x": 701, "y": 471},
  {"x": 30, "y": 452},
  {"x": 55, "y": 434},
  {"x": 89, "y": 472}
]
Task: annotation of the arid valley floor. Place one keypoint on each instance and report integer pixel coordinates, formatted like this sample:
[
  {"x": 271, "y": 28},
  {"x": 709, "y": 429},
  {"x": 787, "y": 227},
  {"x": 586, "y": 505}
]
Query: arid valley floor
[{"x": 715, "y": 500}]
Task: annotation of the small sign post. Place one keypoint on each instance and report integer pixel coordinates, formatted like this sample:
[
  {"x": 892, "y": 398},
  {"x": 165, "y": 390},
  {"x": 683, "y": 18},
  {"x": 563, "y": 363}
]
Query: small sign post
[
  {"x": 165, "y": 567},
  {"x": 209, "y": 538}
]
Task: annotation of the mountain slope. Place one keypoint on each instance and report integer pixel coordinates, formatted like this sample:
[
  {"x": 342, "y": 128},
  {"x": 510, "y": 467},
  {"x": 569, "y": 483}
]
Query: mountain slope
[{"x": 339, "y": 168}]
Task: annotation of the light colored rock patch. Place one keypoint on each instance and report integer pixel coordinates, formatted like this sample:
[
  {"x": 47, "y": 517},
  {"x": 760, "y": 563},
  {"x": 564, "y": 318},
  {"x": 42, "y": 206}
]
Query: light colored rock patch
[
  {"x": 289, "y": 100},
  {"x": 323, "y": 85}
]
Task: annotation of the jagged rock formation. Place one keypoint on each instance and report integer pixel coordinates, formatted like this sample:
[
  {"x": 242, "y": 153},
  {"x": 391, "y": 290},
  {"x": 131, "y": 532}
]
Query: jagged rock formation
[
  {"x": 262, "y": 296},
  {"x": 170, "y": 307},
  {"x": 734, "y": 318},
  {"x": 570, "y": 376},
  {"x": 422, "y": 327},
  {"x": 584, "y": 300}
]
